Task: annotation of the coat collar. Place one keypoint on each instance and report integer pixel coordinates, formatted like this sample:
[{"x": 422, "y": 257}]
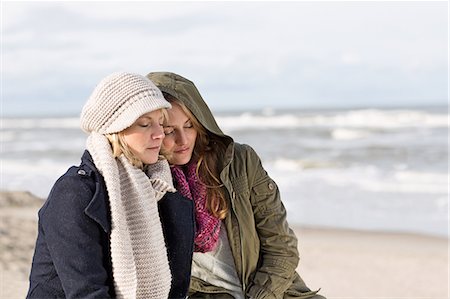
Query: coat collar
[{"x": 98, "y": 208}]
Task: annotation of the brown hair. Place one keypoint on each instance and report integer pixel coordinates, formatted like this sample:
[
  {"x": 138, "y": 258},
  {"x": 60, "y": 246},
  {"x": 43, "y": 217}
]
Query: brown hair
[{"x": 209, "y": 150}]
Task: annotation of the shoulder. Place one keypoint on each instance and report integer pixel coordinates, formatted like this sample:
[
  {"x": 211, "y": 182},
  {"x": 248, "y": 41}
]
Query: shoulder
[
  {"x": 73, "y": 191},
  {"x": 245, "y": 164},
  {"x": 244, "y": 154}
]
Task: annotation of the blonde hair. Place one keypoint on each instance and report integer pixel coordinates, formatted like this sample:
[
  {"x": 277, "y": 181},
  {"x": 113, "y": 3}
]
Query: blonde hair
[
  {"x": 119, "y": 146},
  {"x": 209, "y": 150}
]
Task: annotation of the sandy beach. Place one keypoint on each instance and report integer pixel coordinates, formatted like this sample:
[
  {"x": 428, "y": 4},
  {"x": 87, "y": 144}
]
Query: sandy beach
[{"x": 343, "y": 263}]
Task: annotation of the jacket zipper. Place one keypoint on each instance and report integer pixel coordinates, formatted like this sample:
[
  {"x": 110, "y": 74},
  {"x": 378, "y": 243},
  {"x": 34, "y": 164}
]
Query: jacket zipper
[{"x": 233, "y": 195}]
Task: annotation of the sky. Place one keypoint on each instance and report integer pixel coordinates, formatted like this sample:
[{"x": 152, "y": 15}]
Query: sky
[{"x": 240, "y": 55}]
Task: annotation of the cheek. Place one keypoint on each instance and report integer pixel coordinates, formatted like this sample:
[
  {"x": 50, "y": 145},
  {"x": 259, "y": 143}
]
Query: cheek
[
  {"x": 193, "y": 138},
  {"x": 133, "y": 141},
  {"x": 166, "y": 147},
  {"x": 167, "y": 144}
]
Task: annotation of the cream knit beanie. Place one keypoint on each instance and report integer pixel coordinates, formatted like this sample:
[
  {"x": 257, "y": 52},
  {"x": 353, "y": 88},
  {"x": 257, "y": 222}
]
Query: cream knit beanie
[{"x": 118, "y": 101}]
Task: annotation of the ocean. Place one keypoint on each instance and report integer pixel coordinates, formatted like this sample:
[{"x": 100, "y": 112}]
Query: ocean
[{"x": 363, "y": 169}]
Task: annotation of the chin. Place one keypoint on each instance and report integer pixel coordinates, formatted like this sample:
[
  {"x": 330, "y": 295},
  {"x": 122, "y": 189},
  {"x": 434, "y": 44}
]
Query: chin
[
  {"x": 180, "y": 161},
  {"x": 151, "y": 161}
]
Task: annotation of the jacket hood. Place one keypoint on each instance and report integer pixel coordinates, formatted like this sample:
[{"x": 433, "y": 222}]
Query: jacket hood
[{"x": 186, "y": 92}]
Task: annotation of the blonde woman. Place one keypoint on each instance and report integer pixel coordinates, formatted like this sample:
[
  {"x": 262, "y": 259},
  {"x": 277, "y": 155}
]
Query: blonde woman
[{"x": 114, "y": 226}]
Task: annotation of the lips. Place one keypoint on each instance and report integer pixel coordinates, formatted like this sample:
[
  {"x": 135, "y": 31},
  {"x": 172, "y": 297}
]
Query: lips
[
  {"x": 182, "y": 150},
  {"x": 154, "y": 148}
]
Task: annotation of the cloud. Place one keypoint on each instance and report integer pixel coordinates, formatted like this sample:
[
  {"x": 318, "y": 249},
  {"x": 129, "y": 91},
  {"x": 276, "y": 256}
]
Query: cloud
[{"x": 293, "y": 53}]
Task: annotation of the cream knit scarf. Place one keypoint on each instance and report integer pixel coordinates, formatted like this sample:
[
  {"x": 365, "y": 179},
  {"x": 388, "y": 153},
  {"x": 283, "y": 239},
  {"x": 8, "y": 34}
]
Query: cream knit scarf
[{"x": 139, "y": 255}]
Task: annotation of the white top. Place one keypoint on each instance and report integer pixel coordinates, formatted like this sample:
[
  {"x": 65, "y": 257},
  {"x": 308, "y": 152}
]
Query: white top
[{"x": 217, "y": 267}]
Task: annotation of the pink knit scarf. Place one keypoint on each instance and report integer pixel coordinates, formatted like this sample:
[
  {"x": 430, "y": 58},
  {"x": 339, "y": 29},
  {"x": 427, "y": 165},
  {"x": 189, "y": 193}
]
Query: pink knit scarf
[{"x": 190, "y": 186}]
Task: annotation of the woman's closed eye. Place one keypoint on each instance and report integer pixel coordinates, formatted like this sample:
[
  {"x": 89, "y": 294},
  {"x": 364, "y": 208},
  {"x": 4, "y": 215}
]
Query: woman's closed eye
[
  {"x": 168, "y": 130},
  {"x": 144, "y": 122},
  {"x": 147, "y": 124}
]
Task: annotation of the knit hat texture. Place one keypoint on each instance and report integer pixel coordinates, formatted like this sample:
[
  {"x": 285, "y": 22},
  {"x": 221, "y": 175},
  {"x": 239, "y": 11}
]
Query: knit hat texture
[{"x": 118, "y": 101}]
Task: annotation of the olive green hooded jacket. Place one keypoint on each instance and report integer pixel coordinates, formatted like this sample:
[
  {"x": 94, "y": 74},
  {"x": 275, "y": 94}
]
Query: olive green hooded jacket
[{"x": 263, "y": 246}]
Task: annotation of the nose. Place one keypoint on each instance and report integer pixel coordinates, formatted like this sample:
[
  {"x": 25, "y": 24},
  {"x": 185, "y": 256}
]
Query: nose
[
  {"x": 159, "y": 133},
  {"x": 181, "y": 138}
]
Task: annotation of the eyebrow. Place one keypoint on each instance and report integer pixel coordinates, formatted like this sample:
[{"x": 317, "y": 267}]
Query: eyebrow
[
  {"x": 171, "y": 125},
  {"x": 150, "y": 118}
]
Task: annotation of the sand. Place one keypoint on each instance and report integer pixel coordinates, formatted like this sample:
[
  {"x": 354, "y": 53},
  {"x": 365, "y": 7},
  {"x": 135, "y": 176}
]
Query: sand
[
  {"x": 343, "y": 263},
  {"x": 353, "y": 264}
]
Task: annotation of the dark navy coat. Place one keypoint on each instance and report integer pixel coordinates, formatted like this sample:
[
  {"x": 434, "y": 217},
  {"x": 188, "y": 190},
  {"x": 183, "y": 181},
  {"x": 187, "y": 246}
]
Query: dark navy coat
[{"x": 72, "y": 257}]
